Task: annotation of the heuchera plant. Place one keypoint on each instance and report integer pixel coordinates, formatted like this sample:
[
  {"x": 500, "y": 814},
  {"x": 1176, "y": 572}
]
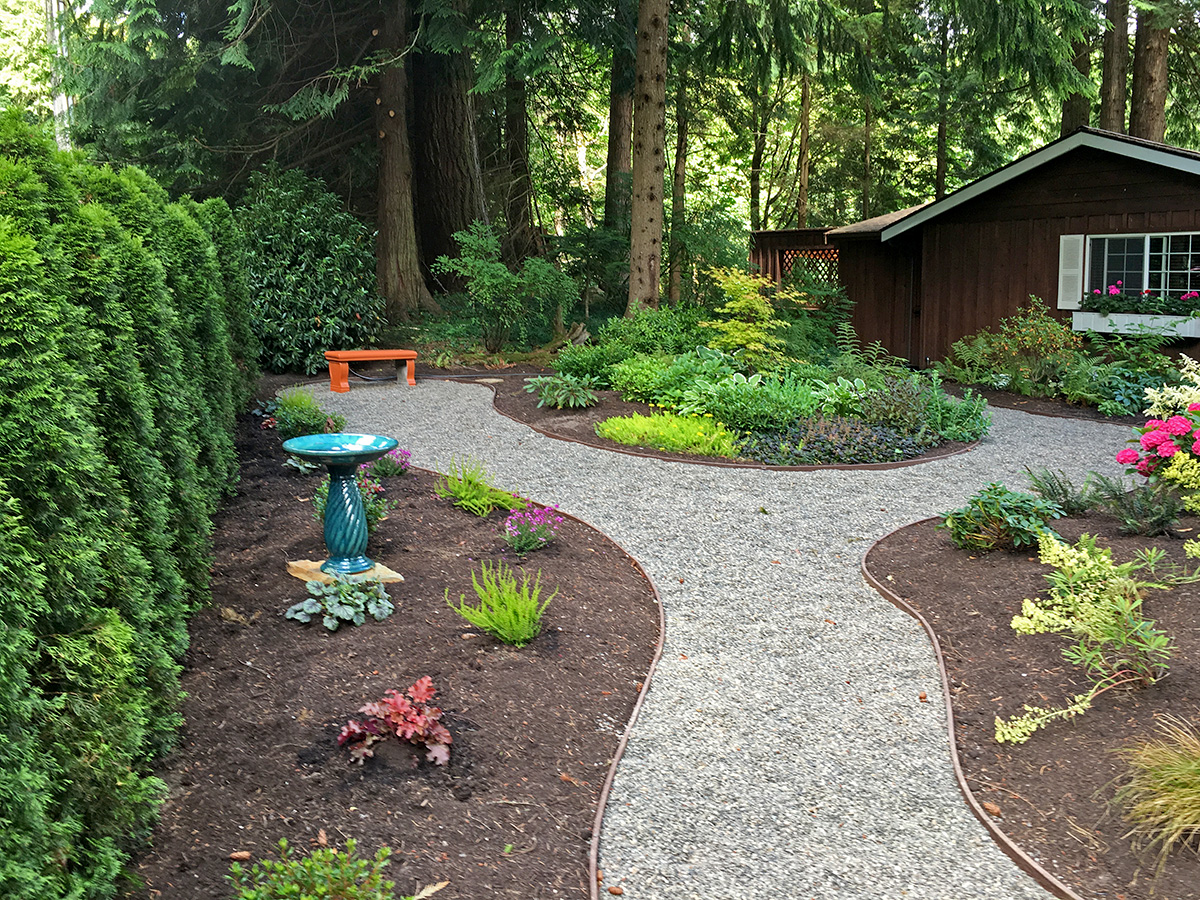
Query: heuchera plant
[
  {"x": 409, "y": 718},
  {"x": 527, "y": 530}
]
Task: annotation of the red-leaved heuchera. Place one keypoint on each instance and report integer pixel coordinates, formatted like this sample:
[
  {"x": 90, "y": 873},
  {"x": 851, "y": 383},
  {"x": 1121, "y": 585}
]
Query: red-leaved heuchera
[{"x": 408, "y": 716}]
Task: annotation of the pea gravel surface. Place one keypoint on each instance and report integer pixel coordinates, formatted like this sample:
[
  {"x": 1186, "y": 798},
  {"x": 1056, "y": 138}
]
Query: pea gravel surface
[{"x": 782, "y": 751}]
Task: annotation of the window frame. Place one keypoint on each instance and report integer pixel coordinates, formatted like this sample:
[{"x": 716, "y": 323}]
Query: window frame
[{"x": 1146, "y": 236}]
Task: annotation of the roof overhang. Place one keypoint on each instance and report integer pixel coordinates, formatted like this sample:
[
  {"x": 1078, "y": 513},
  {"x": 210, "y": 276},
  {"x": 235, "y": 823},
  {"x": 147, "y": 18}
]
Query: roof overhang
[{"x": 1131, "y": 148}]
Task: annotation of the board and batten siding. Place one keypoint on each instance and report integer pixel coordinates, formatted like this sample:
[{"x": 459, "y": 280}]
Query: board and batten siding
[
  {"x": 982, "y": 260},
  {"x": 881, "y": 278}
]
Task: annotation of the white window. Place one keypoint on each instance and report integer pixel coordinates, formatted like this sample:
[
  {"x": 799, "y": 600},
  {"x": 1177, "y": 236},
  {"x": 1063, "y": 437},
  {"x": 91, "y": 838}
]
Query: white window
[{"x": 1164, "y": 265}]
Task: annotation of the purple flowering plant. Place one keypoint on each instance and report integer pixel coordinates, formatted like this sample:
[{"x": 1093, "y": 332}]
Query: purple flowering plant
[
  {"x": 526, "y": 530},
  {"x": 394, "y": 462},
  {"x": 1159, "y": 440}
]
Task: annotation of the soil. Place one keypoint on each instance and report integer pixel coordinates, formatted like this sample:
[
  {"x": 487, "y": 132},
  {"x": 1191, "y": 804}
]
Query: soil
[
  {"x": 1052, "y": 796},
  {"x": 535, "y": 730}
]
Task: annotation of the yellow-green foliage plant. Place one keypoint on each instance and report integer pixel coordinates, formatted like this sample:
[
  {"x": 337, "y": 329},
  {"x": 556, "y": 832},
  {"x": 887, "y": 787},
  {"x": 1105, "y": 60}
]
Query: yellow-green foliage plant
[
  {"x": 1162, "y": 794},
  {"x": 1099, "y": 603},
  {"x": 466, "y": 486},
  {"x": 748, "y": 322},
  {"x": 508, "y": 611},
  {"x": 1174, "y": 399},
  {"x": 702, "y": 435}
]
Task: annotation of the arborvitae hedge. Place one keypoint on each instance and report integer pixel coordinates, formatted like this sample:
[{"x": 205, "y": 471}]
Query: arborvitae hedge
[{"x": 117, "y": 395}]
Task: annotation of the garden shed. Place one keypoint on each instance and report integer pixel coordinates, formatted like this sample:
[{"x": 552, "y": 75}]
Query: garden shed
[{"x": 1087, "y": 211}]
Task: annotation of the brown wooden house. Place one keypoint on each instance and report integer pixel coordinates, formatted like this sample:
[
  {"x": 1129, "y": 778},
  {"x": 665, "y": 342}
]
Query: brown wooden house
[{"x": 1081, "y": 213}]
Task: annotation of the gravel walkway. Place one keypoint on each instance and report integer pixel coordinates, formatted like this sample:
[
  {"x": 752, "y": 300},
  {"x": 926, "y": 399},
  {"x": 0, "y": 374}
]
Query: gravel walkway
[{"x": 782, "y": 751}]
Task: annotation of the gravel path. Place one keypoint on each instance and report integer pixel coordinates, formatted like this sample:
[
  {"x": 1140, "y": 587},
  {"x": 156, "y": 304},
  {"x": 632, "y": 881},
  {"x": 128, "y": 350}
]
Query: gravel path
[{"x": 782, "y": 751}]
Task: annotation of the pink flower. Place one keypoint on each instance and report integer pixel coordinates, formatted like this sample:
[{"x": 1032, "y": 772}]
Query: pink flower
[
  {"x": 1151, "y": 424},
  {"x": 1152, "y": 439},
  {"x": 1196, "y": 447},
  {"x": 1145, "y": 466},
  {"x": 1129, "y": 456},
  {"x": 1194, "y": 407},
  {"x": 1113, "y": 290},
  {"x": 1166, "y": 449},
  {"x": 1178, "y": 425},
  {"x": 1096, "y": 291}
]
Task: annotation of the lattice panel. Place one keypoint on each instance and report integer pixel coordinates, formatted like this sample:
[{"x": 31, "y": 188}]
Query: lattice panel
[{"x": 819, "y": 262}]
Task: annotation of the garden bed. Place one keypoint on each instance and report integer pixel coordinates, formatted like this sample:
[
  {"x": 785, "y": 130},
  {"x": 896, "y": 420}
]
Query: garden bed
[
  {"x": 534, "y": 730},
  {"x": 1050, "y": 795}
]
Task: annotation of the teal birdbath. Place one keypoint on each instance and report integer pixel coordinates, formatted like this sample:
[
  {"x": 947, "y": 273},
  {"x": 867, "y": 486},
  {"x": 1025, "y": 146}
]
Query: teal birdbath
[{"x": 345, "y": 521}]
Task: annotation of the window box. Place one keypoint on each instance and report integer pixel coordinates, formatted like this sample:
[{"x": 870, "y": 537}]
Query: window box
[{"x": 1131, "y": 323}]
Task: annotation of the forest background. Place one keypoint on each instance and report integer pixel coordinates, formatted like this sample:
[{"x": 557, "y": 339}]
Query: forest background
[{"x": 426, "y": 117}]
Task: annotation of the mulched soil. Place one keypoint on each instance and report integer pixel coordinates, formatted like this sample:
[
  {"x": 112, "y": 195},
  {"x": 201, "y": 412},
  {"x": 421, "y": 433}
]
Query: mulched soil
[
  {"x": 534, "y": 730},
  {"x": 1053, "y": 793}
]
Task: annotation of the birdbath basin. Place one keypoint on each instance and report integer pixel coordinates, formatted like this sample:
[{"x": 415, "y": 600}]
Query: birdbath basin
[{"x": 345, "y": 521}]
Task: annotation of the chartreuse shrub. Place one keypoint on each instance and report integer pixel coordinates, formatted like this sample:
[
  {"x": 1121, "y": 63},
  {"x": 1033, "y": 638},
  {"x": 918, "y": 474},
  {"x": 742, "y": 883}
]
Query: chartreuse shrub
[
  {"x": 507, "y": 610},
  {"x": 667, "y": 431},
  {"x": 747, "y": 322},
  {"x": 1099, "y": 604},
  {"x": 298, "y": 413},
  {"x": 311, "y": 271},
  {"x": 998, "y": 517},
  {"x": 105, "y": 502},
  {"x": 466, "y": 485},
  {"x": 323, "y": 873}
]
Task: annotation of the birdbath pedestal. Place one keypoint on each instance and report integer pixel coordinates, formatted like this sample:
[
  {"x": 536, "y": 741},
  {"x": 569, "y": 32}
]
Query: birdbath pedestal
[{"x": 345, "y": 521}]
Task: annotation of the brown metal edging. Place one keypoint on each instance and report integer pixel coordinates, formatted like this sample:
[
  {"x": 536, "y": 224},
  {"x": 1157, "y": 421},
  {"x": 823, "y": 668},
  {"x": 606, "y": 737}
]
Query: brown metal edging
[{"x": 1023, "y": 860}]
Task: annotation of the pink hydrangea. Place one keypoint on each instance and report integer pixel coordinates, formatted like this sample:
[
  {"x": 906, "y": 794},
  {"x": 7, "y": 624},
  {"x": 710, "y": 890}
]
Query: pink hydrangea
[
  {"x": 1145, "y": 466},
  {"x": 1178, "y": 425},
  {"x": 1152, "y": 439},
  {"x": 1128, "y": 456},
  {"x": 1152, "y": 424},
  {"x": 1194, "y": 407},
  {"x": 1166, "y": 449},
  {"x": 1196, "y": 447}
]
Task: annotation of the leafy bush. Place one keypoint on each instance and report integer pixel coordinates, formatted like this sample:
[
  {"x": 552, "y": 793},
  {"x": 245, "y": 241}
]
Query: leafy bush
[
  {"x": 665, "y": 380},
  {"x": 311, "y": 271},
  {"x": 1161, "y": 793},
  {"x": 408, "y": 716},
  {"x": 998, "y": 517},
  {"x": 505, "y": 301},
  {"x": 747, "y": 320},
  {"x": 821, "y": 307},
  {"x": 466, "y": 484},
  {"x": 665, "y": 330},
  {"x": 531, "y": 529},
  {"x": 298, "y": 413},
  {"x": 1151, "y": 509},
  {"x": 323, "y": 873},
  {"x": 666, "y": 431},
  {"x": 591, "y": 361},
  {"x": 345, "y": 599},
  {"x": 756, "y": 403},
  {"x": 829, "y": 440},
  {"x": 375, "y": 505},
  {"x": 952, "y": 419},
  {"x": 561, "y": 391},
  {"x": 508, "y": 611},
  {"x": 1174, "y": 399}
]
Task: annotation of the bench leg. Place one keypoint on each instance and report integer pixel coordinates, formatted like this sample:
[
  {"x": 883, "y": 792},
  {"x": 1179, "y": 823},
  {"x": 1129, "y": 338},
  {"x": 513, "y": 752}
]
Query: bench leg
[
  {"x": 339, "y": 377},
  {"x": 412, "y": 371}
]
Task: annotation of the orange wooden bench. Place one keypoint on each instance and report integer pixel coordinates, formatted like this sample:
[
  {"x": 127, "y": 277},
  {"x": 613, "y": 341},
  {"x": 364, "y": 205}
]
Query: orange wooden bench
[{"x": 339, "y": 365}]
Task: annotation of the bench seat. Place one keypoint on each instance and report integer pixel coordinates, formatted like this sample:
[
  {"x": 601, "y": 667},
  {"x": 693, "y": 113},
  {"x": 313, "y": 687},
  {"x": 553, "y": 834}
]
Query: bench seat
[{"x": 339, "y": 365}]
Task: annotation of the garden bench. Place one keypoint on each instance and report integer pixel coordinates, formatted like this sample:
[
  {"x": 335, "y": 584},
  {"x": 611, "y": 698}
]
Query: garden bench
[{"x": 339, "y": 365}]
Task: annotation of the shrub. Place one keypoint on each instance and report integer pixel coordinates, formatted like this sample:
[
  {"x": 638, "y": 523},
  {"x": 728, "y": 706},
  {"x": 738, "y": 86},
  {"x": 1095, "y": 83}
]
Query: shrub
[
  {"x": 1161, "y": 795},
  {"x": 323, "y": 873},
  {"x": 466, "y": 484},
  {"x": 952, "y": 419},
  {"x": 408, "y": 716},
  {"x": 998, "y": 517},
  {"x": 591, "y": 361},
  {"x": 345, "y": 599},
  {"x": 1057, "y": 488},
  {"x": 298, "y": 413},
  {"x": 747, "y": 320},
  {"x": 666, "y": 431},
  {"x": 561, "y": 391},
  {"x": 666, "y": 381},
  {"x": 508, "y": 611},
  {"x": 666, "y": 330},
  {"x": 756, "y": 403},
  {"x": 310, "y": 266},
  {"x": 829, "y": 440},
  {"x": 375, "y": 505},
  {"x": 1150, "y": 509},
  {"x": 1174, "y": 399},
  {"x": 531, "y": 529}
]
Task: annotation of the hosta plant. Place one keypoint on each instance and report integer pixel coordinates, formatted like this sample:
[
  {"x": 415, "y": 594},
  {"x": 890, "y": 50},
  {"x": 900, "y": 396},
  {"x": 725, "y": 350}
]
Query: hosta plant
[
  {"x": 562, "y": 391},
  {"x": 506, "y": 610},
  {"x": 344, "y": 600},
  {"x": 408, "y": 716}
]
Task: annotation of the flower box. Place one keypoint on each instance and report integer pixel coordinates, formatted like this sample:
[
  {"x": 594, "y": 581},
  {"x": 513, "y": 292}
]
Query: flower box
[{"x": 1132, "y": 323}]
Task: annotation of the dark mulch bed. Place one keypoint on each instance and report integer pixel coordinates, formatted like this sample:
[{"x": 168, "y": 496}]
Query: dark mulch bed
[
  {"x": 534, "y": 730},
  {"x": 1053, "y": 792}
]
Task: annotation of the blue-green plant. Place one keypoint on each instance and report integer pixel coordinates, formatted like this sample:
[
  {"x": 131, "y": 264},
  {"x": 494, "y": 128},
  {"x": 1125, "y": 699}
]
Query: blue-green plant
[
  {"x": 324, "y": 873},
  {"x": 345, "y": 600},
  {"x": 998, "y": 517},
  {"x": 562, "y": 391},
  {"x": 507, "y": 610}
]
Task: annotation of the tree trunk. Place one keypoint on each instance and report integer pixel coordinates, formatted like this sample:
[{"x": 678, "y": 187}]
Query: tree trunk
[
  {"x": 620, "y": 129},
  {"x": 649, "y": 138},
  {"x": 520, "y": 241},
  {"x": 1115, "y": 68},
  {"x": 1076, "y": 108},
  {"x": 1148, "y": 109},
  {"x": 398, "y": 269},
  {"x": 803, "y": 162},
  {"x": 866, "y": 181},
  {"x": 760, "y": 107},
  {"x": 943, "y": 112},
  {"x": 678, "y": 190},
  {"x": 449, "y": 182}
]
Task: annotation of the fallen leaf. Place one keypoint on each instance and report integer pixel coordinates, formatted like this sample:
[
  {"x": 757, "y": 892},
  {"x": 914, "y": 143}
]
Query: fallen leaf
[
  {"x": 921, "y": 696},
  {"x": 991, "y": 808},
  {"x": 240, "y": 855},
  {"x": 830, "y": 622},
  {"x": 322, "y": 837},
  {"x": 430, "y": 890},
  {"x": 616, "y": 890}
]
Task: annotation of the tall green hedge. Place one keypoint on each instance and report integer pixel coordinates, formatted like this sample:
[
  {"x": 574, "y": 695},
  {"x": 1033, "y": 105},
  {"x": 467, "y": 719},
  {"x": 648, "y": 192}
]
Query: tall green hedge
[{"x": 122, "y": 376}]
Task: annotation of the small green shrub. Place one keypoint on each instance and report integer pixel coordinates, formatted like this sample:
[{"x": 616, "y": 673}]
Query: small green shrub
[
  {"x": 466, "y": 484},
  {"x": 561, "y": 391},
  {"x": 298, "y": 413},
  {"x": 508, "y": 611},
  {"x": 1151, "y": 509},
  {"x": 375, "y": 505},
  {"x": 346, "y": 599},
  {"x": 998, "y": 517},
  {"x": 665, "y": 330},
  {"x": 666, "y": 431},
  {"x": 591, "y": 361},
  {"x": 830, "y": 440},
  {"x": 1057, "y": 488},
  {"x": 757, "y": 403},
  {"x": 1162, "y": 794},
  {"x": 952, "y": 419},
  {"x": 747, "y": 322},
  {"x": 667, "y": 380},
  {"x": 325, "y": 873}
]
